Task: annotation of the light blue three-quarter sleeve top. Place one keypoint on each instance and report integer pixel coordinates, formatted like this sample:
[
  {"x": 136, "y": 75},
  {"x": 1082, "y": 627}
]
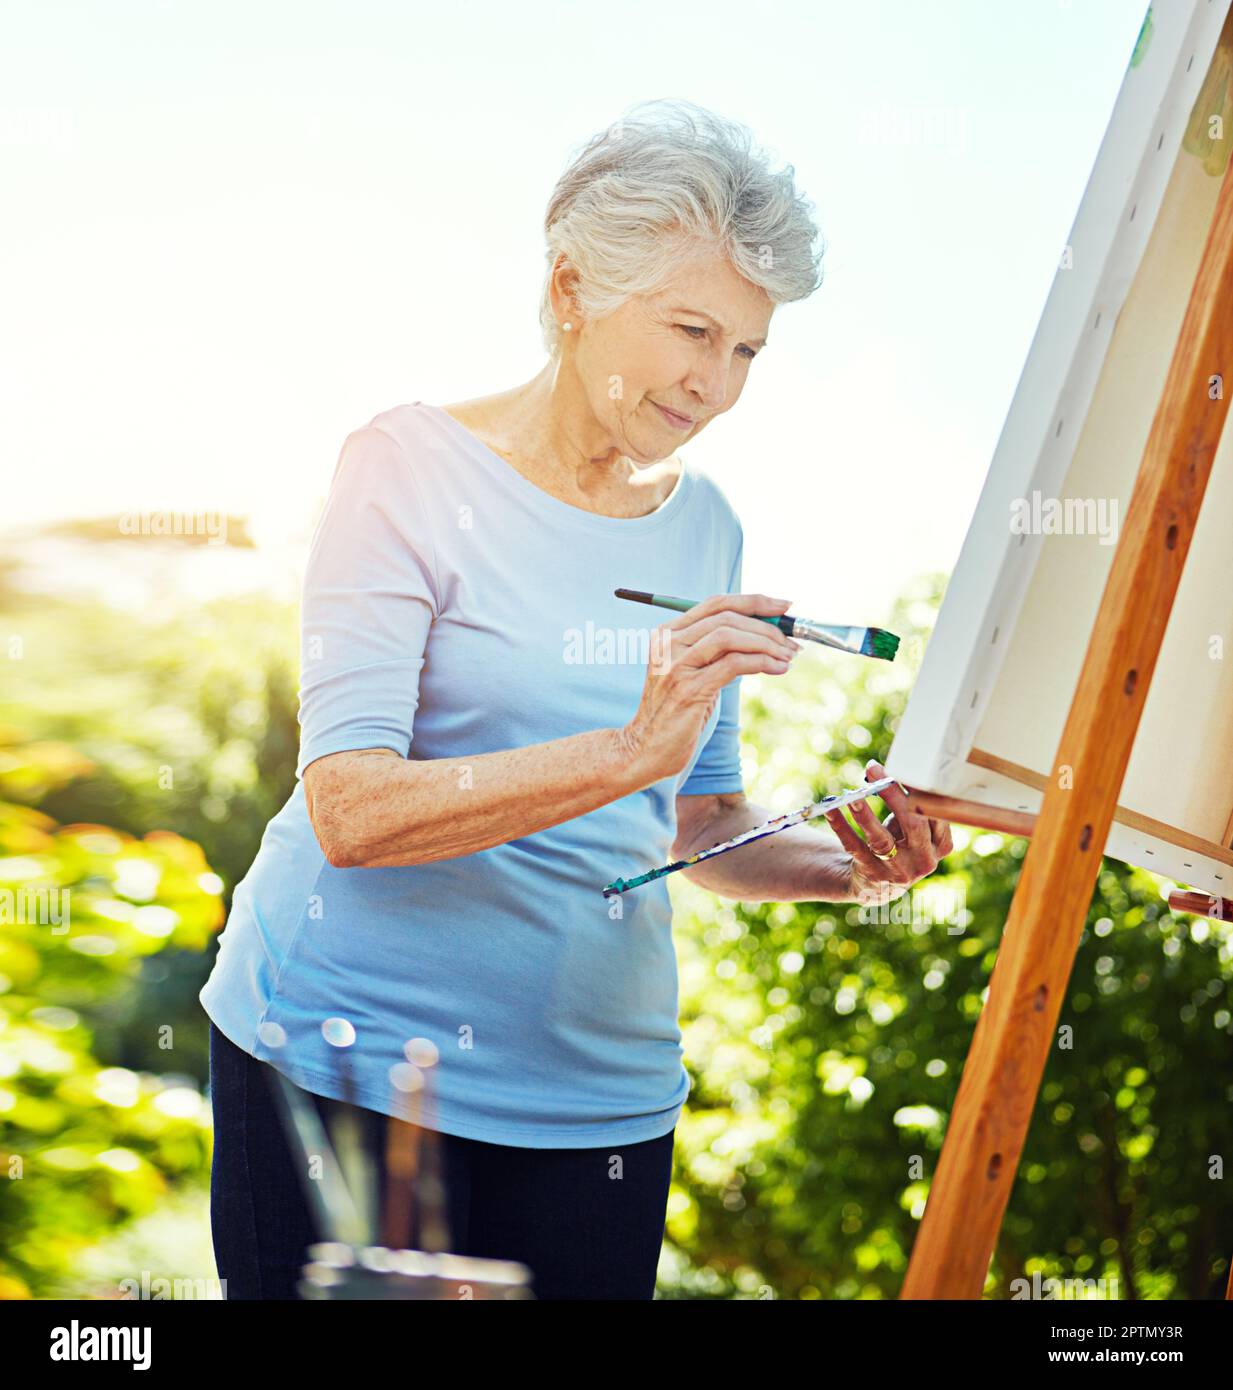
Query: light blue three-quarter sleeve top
[{"x": 452, "y": 608}]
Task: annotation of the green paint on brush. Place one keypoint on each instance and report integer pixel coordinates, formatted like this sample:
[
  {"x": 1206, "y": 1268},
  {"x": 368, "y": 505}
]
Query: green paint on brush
[
  {"x": 860, "y": 641},
  {"x": 878, "y": 642}
]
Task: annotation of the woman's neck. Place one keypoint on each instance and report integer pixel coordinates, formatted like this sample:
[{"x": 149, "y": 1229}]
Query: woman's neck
[{"x": 536, "y": 428}]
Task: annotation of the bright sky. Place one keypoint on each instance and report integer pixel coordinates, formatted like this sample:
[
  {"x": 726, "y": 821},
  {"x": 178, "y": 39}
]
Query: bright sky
[{"x": 235, "y": 231}]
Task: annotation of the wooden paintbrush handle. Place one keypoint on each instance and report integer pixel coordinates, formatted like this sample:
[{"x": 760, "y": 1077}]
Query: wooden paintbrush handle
[
  {"x": 956, "y": 809},
  {"x": 1202, "y": 905},
  {"x": 961, "y": 812}
]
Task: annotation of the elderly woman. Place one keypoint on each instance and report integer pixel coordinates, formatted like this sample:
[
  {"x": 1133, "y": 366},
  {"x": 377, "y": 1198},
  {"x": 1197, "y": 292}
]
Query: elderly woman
[{"x": 468, "y": 779}]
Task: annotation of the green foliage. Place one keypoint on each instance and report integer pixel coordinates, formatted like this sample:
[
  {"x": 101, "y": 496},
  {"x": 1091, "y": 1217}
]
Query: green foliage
[
  {"x": 84, "y": 1146},
  {"x": 188, "y": 715},
  {"x": 180, "y": 717},
  {"x": 826, "y": 1052},
  {"x": 183, "y": 718}
]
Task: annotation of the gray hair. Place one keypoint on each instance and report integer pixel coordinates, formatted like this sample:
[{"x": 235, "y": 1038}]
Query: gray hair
[{"x": 667, "y": 180}]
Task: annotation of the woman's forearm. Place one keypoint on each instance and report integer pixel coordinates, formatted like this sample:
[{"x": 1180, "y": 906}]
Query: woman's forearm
[
  {"x": 374, "y": 809},
  {"x": 800, "y": 864}
]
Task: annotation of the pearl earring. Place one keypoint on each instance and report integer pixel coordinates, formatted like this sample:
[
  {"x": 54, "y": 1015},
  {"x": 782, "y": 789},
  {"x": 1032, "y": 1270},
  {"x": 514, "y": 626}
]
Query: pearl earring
[{"x": 567, "y": 326}]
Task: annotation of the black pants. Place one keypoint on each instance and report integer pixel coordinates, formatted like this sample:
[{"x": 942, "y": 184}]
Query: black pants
[{"x": 586, "y": 1225}]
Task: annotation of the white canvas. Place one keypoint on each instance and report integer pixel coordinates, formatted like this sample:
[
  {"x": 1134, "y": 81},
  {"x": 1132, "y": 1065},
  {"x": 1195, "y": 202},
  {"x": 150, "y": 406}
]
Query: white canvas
[{"x": 995, "y": 686}]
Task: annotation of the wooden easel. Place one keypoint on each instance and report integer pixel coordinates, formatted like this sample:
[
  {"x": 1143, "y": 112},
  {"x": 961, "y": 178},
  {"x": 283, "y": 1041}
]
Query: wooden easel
[{"x": 1016, "y": 1029}]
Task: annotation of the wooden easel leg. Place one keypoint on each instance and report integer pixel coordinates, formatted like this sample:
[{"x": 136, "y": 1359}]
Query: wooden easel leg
[{"x": 1015, "y": 1031}]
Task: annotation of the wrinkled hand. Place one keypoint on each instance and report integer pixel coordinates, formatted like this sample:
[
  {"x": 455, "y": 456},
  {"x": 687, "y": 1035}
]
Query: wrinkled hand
[{"x": 917, "y": 842}]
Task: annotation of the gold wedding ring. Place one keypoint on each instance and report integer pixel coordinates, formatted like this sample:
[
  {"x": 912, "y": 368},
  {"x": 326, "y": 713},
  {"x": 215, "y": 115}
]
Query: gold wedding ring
[{"x": 888, "y": 857}]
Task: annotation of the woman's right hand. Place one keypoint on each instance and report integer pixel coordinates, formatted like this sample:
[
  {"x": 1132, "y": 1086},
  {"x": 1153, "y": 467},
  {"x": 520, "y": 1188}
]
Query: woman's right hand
[{"x": 691, "y": 659}]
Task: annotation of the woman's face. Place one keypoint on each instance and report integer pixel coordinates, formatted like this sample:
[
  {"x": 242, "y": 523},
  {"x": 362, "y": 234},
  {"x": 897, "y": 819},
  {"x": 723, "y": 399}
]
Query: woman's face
[{"x": 686, "y": 349}]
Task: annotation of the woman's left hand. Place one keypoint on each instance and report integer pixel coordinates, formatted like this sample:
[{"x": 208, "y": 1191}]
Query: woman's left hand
[{"x": 895, "y": 853}]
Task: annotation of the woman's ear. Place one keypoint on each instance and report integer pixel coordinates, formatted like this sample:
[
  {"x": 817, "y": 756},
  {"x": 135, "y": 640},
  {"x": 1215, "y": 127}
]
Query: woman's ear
[{"x": 564, "y": 291}]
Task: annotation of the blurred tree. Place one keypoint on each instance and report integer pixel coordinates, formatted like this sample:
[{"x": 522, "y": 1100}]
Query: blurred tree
[
  {"x": 187, "y": 721},
  {"x": 165, "y": 528},
  {"x": 85, "y": 1146}
]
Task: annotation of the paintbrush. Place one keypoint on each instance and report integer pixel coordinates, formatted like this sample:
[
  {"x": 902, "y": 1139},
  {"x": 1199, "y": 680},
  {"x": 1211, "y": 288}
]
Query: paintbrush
[
  {"x": 402, "y": 1139},
  {"x": 770, "y": 827},
  {"x": 336, "y": 1216},
  {"x": 434, "y": 1232},
  {"x": 345, "y": 1128},
  {"x": 860, "y": 641},
  {"x": 1202, "y": 905}
]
